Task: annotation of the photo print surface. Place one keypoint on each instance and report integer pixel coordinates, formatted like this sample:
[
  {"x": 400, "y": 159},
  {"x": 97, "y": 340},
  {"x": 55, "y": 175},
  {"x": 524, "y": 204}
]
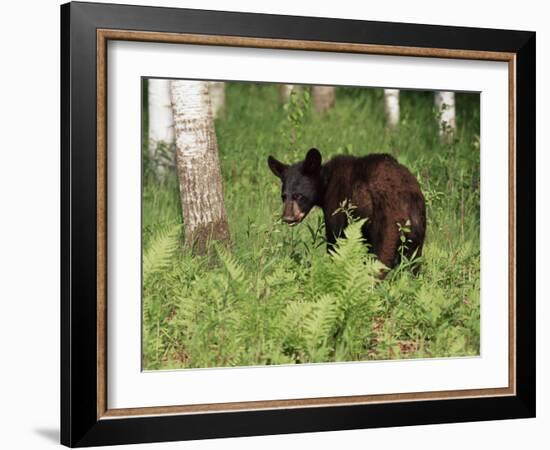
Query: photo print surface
[{"x": 298, "y": 224}]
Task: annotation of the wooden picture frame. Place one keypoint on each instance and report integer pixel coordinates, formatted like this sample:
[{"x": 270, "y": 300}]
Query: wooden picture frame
[{"x": 86, "y": 418}]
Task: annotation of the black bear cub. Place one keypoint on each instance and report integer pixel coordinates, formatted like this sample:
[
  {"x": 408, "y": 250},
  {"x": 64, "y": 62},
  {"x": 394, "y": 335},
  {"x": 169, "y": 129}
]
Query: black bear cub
[{"x": 380, "y": 188}]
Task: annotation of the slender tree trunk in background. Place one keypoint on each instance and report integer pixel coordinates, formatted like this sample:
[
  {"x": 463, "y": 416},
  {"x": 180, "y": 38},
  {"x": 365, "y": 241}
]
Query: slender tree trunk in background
[
  {"x": 286, "y": 89},
  {"x": 161, "y": 126},
  {"x": 445, "y": 109},
  {"x": 324, "y": 98},
  {"x": 217, "y": 97},
  {"x": 391, "y": 108},
  {"x": 198, "y": 165}
]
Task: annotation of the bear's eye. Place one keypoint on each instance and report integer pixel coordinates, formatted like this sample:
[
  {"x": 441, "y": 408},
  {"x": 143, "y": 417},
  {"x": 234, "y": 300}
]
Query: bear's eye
[{"x": 297, "y": 196}]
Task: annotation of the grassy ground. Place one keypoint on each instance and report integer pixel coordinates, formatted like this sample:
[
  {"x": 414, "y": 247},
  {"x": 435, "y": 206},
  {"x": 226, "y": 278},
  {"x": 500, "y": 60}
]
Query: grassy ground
[{"x": 275, "y": 296}]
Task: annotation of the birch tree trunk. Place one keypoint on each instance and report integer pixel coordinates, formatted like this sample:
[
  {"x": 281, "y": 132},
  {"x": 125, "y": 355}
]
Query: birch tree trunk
[
  {"x": 285, "y": 90},
  {"x": 161, "y": 127},
  {"x": 217, "y": 97},
  {"x": 391, "y": 108},
  {"x": 324, "y": 98},
  {"x": 445, "y": 109},
  {"x": 198, "y": 165}
]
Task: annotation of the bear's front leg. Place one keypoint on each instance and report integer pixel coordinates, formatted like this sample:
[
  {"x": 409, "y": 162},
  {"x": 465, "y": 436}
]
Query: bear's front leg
[{"x": 334, "y": 228}]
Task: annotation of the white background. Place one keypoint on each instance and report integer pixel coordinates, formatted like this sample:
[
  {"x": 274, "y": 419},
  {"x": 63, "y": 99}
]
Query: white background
[{"x": 29, "y": 229}]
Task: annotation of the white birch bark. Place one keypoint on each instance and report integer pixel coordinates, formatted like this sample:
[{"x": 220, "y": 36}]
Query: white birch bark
[
  {"x": 198, "y": 165},
  {"x": 161, "y": 126},
  {"x": 217, "y": 97},
  {"x": 445, "y": 110},
  {"x": 324, "y": 98},
  {"x": 391, "y": 108}
]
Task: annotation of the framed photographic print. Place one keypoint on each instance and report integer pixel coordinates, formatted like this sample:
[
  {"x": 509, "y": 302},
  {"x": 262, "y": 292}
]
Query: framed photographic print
[{"x": 276, "y": 224}]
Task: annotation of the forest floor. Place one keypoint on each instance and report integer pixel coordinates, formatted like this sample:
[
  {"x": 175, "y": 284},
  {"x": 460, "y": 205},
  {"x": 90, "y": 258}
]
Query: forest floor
[{"x": 275, "y": 296}]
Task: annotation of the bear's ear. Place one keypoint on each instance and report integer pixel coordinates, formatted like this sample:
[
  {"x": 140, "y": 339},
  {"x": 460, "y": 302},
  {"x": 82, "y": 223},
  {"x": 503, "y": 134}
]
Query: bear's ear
[
  {"x": 277, "y": 167},
  {"x": 312, "y": 163}
]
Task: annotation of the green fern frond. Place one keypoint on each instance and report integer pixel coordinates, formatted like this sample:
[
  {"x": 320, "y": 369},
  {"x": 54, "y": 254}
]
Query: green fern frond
[
  {"x": 322, "y": 320},
  {"x": 353, "y": 269},
  {"x": 233, "y": 267},
  {"x": 157, "y": 256},
  {"x": 352, "y": 245},
  {"x": 296, "y": 313}
]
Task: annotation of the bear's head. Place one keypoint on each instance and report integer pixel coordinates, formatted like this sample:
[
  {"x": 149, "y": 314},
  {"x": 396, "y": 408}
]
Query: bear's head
[{"x": 300, "y": 185}]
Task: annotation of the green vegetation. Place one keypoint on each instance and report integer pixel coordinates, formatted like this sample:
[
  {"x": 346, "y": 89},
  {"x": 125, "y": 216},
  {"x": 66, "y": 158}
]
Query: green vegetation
[{"x": 275, "y": 296}]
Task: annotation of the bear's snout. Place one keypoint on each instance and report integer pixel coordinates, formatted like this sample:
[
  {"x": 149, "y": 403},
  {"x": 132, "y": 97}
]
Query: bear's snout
[{"x": 292, "y": 214}]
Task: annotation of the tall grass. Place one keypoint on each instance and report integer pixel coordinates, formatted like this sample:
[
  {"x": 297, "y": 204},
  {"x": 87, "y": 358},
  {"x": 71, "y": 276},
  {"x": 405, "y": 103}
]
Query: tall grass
[{"x": 275, "y": 296}]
